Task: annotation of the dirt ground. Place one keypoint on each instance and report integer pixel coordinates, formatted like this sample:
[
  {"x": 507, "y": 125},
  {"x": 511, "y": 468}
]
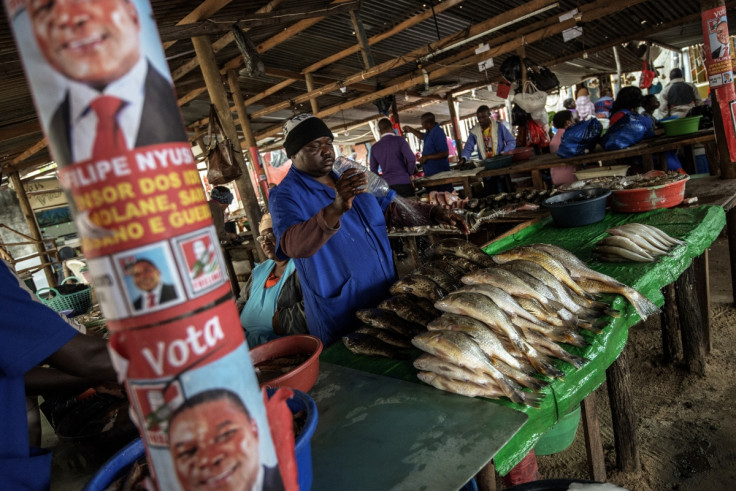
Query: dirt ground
[{"x": 686, "y": 425}]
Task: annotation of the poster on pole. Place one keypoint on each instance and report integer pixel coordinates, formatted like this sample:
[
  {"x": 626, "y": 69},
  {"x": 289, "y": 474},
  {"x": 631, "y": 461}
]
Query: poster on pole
[{"x": 718, "y": 47}]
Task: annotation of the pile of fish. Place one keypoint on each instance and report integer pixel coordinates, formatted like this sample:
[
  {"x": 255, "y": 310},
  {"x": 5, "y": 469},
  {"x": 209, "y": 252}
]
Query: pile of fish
[
  {"x": 635, "y": 242},
  {"x": 649, "y": 179},
  {"x": 501, "y": 200},
  {"x": 491, "y": 326}
]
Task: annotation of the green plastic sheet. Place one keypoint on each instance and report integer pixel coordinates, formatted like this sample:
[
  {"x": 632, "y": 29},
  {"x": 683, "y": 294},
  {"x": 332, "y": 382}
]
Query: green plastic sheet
[{"x": 698, "y": 226}]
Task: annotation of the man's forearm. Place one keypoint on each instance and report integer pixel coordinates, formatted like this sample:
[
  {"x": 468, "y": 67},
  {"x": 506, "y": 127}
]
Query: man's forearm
[
  {"x": 306, "y": 238},
  {"x": 47, "y": 381}
]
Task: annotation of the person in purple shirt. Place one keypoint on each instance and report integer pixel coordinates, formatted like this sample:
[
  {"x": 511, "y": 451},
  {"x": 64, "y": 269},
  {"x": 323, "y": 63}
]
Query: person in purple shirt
[
  {"x": 435, "y": 151},
  {"x": 393, "y": 155}
]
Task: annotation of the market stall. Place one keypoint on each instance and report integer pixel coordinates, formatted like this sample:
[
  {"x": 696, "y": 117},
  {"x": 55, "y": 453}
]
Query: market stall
[
  {"x": 646, "y": 149},
  {"x": 697, "y": 226}
]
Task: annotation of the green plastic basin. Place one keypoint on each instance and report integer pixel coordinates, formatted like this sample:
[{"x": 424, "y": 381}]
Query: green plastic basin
[
  {"x": 681, "y": 126},
  {"x": 560, "y": 436}
]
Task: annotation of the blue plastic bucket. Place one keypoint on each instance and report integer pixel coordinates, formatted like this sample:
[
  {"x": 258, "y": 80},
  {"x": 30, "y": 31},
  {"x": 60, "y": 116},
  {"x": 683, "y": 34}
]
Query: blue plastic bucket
[{"x": 124, "y": 459}]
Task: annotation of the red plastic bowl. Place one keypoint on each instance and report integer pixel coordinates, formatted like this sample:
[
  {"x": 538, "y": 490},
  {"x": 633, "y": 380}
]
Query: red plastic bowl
[
  {"x": 645, "y": 199},
  {"x": 520, "y": 153},
  {"x": 303, "y": 376}
]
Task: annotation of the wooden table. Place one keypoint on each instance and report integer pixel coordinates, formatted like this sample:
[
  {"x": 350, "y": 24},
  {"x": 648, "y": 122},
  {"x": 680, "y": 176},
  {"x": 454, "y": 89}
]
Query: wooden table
[{"x": 647, "y": 149}]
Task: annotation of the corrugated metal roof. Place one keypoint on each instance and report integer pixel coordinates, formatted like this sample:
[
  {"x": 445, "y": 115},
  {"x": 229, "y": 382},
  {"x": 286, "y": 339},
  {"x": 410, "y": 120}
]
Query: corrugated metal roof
[{"x": 18, "y": 121}]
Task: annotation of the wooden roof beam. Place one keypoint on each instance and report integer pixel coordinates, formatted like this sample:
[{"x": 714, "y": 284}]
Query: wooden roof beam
[
  {"x": 203, "y": 11},
  {"x": 275, "y": 18},
  {"x": 272, "y": 42},
  {"x": 417, "y": 54},
  {"x": 599, "y": 9}
]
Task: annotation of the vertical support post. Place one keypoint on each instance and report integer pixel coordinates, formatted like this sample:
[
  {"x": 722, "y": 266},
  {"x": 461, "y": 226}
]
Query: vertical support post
[
  {"x": 455, "y": 123},
  {"x": 593, "y": 444},
  {"x": 486, "y": 478},
  {"x": 211, "y": 73},
  {"x": 702, "y": 280},
  {"x": 623, "y": 415},
  {"x": 250, "y": 139},
  {"x": 35, "y": 232},
  {"x": 310, "y": 87},
  {"x": 617, "y": 82},
  {"x": 365, "y": 49},
  {"x": 691, "y": 325},
  {"x": 671, "y": 346},
  {"x": 731, "y": 233}
]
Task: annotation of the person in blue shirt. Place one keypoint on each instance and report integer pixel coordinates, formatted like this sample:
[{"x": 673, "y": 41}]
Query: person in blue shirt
[
  {"x": 32, "y": 334},
  {"x": 435, "y": 151},
  {"x": 336, "y": 232}
]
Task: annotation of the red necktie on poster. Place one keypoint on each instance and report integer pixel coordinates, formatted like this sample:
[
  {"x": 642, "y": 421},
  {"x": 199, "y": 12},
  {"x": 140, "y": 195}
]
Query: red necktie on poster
[
  {"x": 151, "y": 300},
  {"x": 109, "y": 138},
  {"x": 725, "y": 51}
]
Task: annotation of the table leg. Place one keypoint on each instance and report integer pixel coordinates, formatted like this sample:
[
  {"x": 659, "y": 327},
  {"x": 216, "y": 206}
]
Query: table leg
[
  {"x": 691, "y": 324},
  {"x": 231, "y": 272},
  {"x": 413, "y": 251},
  {"x": 537, "y": 181},
  {"x": 647, "y": 162},
  {"x": 486, "y": 478},
  {"x": 731, "y": 233},
  {"x": 671, "y": 347},
  {"x": 467, "y": 189},
  {"x": 623, "y": 415},
  {"x": 593, "y": 444},
  {"x": 702, "y": 280},
  {"x": 711, "y": 152}
]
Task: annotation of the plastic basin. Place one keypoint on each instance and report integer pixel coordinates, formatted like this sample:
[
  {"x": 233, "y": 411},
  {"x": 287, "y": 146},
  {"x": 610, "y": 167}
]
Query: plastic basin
[
  {"x": 560, "y": 435},
  {"x": 125, "y": 458},
  {"x": 578, "y": 208},
  {"x": 497, "y": 162},
  {"x": 303, "y": 376},
  {"x": 651, "y": 198},
  {"x": 681, "y": 126},
  {"x": 520, "y": 153}
]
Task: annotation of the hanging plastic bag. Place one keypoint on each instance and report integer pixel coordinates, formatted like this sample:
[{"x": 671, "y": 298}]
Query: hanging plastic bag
[
  {"x": 656, "y": 88},
  {"x": 628, "y": 130},
  {"x": 502, "y": 91},
  {"x": 543, "y": 77},
  {"x": 531, "y": 99},
  {"x": 511, "y": 69},
  {"x": 647, "y": 76},
  {"x": 536, "y": 135},
  {"x": 580, "y": 138},
  {"x": 518, "y": 116}
]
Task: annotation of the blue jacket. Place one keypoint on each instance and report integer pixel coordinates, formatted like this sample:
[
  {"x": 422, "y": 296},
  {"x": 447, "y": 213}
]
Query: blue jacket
[
  {"x": 352, "y": 270},
  {"x": 505, "y": 142}
]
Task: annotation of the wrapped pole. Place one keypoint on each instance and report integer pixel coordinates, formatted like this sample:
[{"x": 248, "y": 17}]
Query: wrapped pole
[{"x": 105, "y": 101}]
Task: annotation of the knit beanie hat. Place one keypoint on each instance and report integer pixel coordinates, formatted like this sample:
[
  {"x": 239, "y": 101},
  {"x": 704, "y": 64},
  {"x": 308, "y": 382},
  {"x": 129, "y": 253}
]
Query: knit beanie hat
[
  {"x": 302, "y": 129},
  {"x": 221, "y": 194}
]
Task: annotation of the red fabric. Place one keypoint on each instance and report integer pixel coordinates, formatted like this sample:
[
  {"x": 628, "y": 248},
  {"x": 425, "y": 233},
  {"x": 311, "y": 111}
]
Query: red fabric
[
  {"x": 151, "y": 299},
  {"x": 503, "y": 91},
  {"x": 281, "y": 423},
  {"x": 109, "y": 138},
  {"x": 525, "y": 471},
  {"x": 271, "y": 280}
]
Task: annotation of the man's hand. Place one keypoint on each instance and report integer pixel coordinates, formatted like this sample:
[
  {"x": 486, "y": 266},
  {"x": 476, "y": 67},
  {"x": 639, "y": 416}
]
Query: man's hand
[
  {"x": 352, "y": 183},
  {"x": 422, "y": 159},
  {"x": 439, "y": 215}
]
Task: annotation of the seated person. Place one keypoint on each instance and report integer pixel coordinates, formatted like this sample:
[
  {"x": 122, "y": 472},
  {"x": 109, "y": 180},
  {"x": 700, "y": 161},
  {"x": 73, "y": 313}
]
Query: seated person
[
  {"x": 271, "y": 301},
  {"x": 566, "y": 173},
  {"x": 32, "y": 334},
  {"x": 604, "y": 104},
  {"x": 583, "y": 105},
  {"x": 220, "y": 199}
]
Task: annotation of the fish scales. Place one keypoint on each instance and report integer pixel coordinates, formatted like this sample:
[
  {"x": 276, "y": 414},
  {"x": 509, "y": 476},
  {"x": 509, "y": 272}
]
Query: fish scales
[
  {"x": 510, "y": 282},
  {"x": 365, "y": 344},
  {"x": 387, "y": 336},
  {"x": 440, "y": 366},
  {"x": 418, "y": 285},
  {"x": 407, "y": 309},
  {"x": 464, "y": 249},
  {"x": 485, "y": 310},
  {"x": 388, "y": 320}
]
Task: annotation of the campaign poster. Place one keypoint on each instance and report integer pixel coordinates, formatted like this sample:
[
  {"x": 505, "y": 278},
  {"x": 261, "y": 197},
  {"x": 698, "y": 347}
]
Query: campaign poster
[
  {"x": 718, "y": 47},
  {"x": 105, "y": 100}
]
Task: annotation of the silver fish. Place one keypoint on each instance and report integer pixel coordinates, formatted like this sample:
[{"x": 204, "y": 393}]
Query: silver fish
[
  {"x": 627, "y": 244},
  {"x": 511, "y": 283},
  {"x": 418, "y": 285},
  {"x": 640, "y": 240},
  {"x": 388, "y": 320},
  {"x": 464, "y": 249},
  {"x": 485, "y": 310},
  {"x": 387, "y": 336},
  {"x": 444, "y": 280},
  {"x": 627, "y": 254},
  {"x": 464, "y": 352},
  {"x": 440, "y": 366},
  {"x": 365, "y": 344},
  {"x": 407, "y": 309},
  {"x": 467, "y": 389}
]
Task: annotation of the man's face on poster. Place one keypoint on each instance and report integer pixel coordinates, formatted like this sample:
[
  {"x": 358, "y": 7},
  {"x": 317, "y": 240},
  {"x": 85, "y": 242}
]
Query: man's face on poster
[
  {"x": 90, "y": 41},
  {"x": 214, "y": 446},
  {"x": 722, "y": 33},
  {"x": 145, "y": 276}
]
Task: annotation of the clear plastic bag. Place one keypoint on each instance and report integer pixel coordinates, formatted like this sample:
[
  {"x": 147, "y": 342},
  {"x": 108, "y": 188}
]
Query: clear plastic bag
[{"x": 376, "y": 185}]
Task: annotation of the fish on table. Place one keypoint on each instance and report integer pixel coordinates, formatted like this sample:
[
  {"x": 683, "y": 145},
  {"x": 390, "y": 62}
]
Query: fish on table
[
  {"x": 365, "y": 344},
  {"x": 463, "y": 248}
]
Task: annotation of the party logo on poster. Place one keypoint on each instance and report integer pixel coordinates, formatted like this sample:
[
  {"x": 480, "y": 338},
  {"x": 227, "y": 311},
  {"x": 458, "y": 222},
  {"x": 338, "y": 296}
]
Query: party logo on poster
[
  {"x": 156, "y": 401},
  {"x": 200, "y": 260}
]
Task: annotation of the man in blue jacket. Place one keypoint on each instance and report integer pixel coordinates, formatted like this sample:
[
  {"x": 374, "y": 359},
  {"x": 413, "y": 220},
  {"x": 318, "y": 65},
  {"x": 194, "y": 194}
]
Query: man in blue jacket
[{"x": 335, "y": 231}]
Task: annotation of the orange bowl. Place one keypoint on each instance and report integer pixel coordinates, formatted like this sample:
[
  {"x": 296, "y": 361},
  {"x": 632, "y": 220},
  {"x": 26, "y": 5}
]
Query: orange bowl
[
  {"x": 302, "y": 376},
  {"x": 520, "y": 153},
  {"x": 645, "y": 199}
]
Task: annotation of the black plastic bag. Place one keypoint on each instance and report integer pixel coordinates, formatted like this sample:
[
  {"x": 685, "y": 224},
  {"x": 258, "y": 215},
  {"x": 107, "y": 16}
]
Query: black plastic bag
[
  {"x": 706, "y": 121},
  {"x": 543, "y": 77},
  {"x": 519, "y": 117},
  {"x": 511, "y": 69}
]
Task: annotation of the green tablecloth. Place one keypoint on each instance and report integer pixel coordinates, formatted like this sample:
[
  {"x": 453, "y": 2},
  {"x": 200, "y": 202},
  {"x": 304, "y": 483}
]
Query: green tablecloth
[{"x": 699, "y": 227}]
